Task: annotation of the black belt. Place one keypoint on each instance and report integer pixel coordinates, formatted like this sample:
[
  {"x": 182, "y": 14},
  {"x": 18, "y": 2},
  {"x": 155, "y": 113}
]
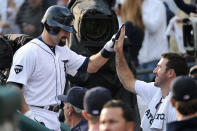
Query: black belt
[{"x": 50, "y": 108}]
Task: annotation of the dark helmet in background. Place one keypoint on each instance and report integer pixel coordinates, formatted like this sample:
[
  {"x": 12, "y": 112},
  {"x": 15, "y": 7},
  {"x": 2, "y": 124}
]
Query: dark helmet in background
[{"x": 57, "y": 17}]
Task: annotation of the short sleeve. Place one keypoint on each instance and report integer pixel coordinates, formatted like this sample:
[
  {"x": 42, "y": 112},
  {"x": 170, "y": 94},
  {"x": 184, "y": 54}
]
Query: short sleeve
[
  {"x": 74, "y": 62},
  {"x": 145, "y": 90},
  {"x": 22, "y": 66}
]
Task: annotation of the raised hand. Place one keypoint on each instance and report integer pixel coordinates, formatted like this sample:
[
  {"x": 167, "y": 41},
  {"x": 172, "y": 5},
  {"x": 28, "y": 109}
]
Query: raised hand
[{"x": 118, "y": 47}]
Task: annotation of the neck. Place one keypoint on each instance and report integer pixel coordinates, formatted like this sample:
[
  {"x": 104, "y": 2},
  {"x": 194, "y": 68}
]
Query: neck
[
  {"x": 165, "y": 91},
  {"x": 75, "y": 121},
  {"x": 46, "y": 38},
  {"x": 93, "y": 126},
  {"x": 181, "y": 117}
]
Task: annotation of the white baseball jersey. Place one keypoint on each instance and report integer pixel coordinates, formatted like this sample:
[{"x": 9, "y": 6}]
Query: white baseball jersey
[
  {"x": 155, "y": 119},
  {"x": 42, "y": 72}
]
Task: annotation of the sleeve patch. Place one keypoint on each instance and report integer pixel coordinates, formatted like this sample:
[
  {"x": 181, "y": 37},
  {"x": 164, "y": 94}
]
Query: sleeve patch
[{"x": 18, "y": 68}]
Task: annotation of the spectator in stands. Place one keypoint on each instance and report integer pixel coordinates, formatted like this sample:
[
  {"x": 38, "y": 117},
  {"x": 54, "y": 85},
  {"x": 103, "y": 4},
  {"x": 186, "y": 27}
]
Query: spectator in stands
[
  {"x": 116, "y": 116},
  {"x": 30, "y": 15},
  {"x": 73, "y": 106},
  {"x": 94, "y": 100},
  {"x": 184, "y": 99}
]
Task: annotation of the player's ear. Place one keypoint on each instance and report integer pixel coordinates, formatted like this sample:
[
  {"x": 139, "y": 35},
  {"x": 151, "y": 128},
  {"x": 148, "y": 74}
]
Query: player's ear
[
  {"x": 172, "y": 102},
  {"x": 85, "y": 115},
  {"x": 130, "y": 126},
  {"x": 70, "y": 110},
  {"x": 171, "y": 73}
]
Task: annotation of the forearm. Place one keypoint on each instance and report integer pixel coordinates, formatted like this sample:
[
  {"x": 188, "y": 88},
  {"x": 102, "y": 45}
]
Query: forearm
[
  {"x": 96, "y": 62},
  {"x": 24, "y": 106},
  {"x": 125, "y": 75}
]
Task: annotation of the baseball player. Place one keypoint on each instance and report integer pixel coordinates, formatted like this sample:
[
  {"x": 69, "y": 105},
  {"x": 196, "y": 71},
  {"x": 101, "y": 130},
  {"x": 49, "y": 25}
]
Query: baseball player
[
  {"x": 40, "y": 67},
  {"x": 159, "y": 111}
]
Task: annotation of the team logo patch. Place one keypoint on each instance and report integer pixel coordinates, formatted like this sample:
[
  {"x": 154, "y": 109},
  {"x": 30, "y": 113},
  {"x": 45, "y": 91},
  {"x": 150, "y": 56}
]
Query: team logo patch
[
  {"x": 18, "y": 68},
  {"x": 65, "y": 62}
]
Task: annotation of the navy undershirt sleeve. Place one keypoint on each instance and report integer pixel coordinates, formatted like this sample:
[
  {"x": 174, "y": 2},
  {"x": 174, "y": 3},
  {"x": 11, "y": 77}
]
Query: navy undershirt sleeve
[{"x": 84, "y": 66}]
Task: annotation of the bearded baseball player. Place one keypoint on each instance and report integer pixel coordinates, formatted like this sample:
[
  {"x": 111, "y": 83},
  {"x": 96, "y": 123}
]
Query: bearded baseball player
[
  {"x": 155, "y": 94},
  {"x": 40, "y": 67}
]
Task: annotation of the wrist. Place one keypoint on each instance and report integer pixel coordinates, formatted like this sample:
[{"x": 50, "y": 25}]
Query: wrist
[
  {"x": 119, "y": 52},
  {"x": 108, "y": 49},
  {"x": 28, "y": 113},
  {"x": 109, "y": 46},
  {"x": 105, "y": 53}
]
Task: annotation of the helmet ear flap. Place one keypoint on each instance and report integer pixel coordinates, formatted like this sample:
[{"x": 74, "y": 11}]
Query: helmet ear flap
[{"x": 52, "y": 30}]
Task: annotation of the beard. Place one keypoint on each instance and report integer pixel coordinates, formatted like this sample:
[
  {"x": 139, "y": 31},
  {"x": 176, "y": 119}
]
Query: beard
[
  {"x": 156, "y": 81},
  {"x": 63, "y": 41},
  {"x": 160, "y": 81},
  {"x": 156, "y": 84}
]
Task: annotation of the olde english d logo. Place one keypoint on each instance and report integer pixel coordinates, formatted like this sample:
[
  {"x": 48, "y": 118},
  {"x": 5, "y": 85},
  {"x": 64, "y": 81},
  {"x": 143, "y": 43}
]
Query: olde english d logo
[
  {"x": 65, "y": 62},
  {"x": 18, "y": 68}
]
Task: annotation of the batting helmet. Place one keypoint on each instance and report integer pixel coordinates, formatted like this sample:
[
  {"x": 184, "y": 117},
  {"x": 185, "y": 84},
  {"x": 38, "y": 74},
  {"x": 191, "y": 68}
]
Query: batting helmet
[{"x": 58, "y": 17}]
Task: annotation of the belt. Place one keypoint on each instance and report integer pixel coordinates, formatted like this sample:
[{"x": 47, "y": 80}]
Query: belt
[{"x": 50, "y": 108}]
